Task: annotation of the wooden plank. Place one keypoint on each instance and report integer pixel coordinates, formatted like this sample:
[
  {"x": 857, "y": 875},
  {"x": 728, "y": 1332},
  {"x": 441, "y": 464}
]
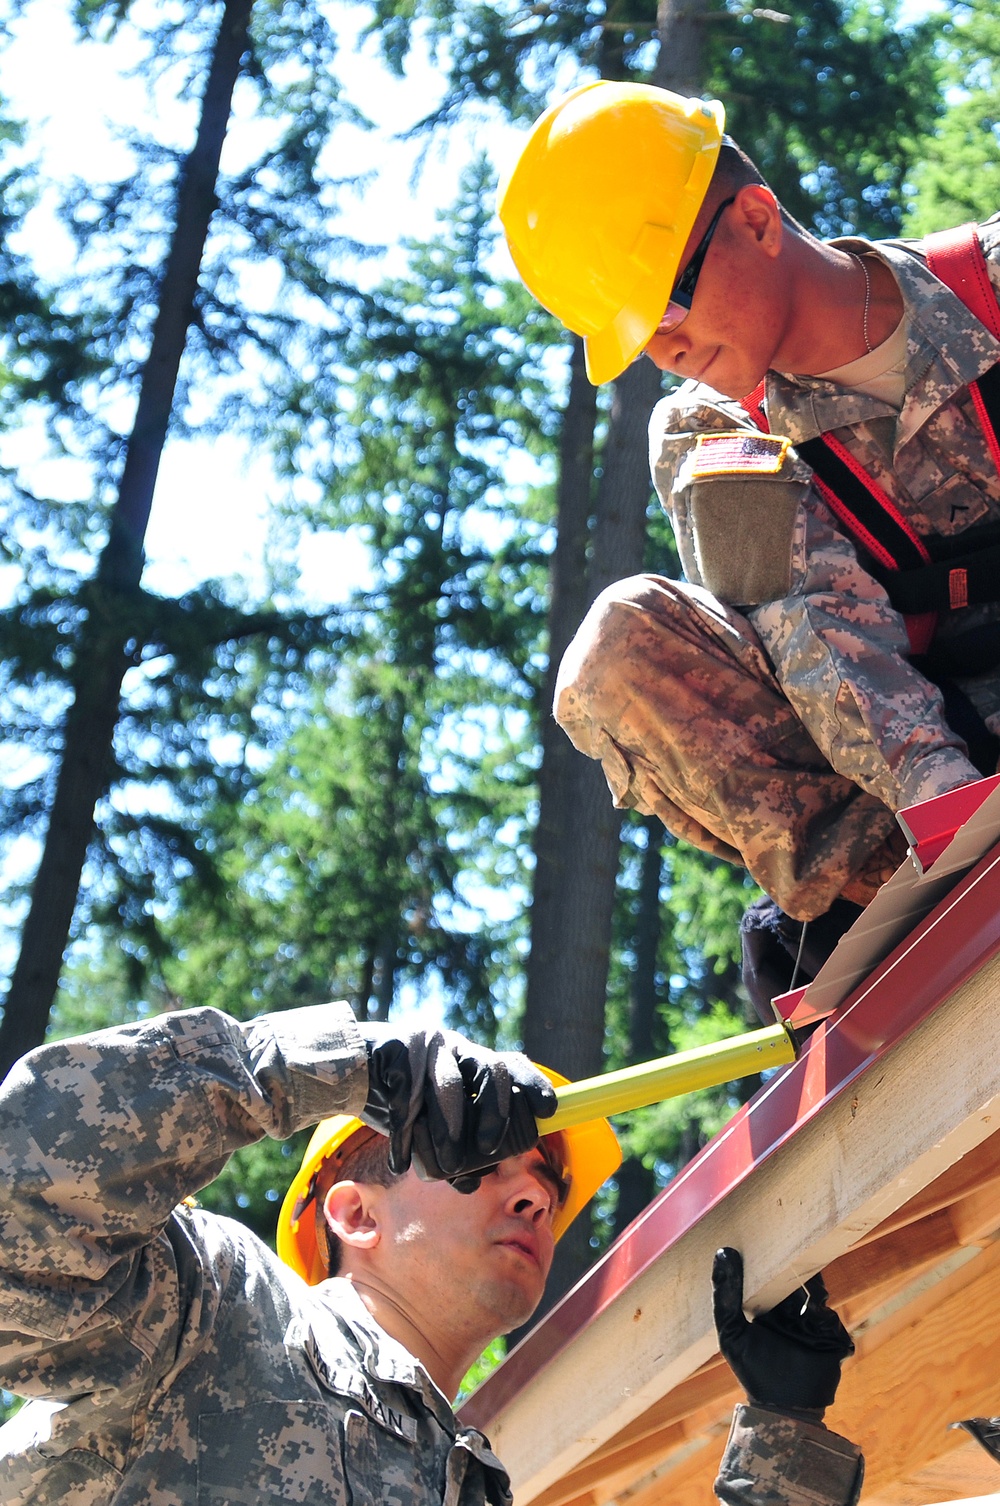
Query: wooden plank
[
  {"x": 931, "y": 1363},
  {"x": 909, "y": 1118},
  {"x": 611, "y": 1470},
  {"x": 711, "y": 1386},
  {"x": 871, "y": 1309},
  {"x": 976, "y": 1217},
  {"x": 965, "y": 1472},
  {"x": 899, "y": 1397},
  {"x": 981, "y": 1167},
  {"x": 856, "y": 1281},
  {"x": 713, "y": 1383},
  {"x": 893, "y": 1260},
  {"x": 872, "y": 1271},
  {"x": 685, "y": 1480},
  {"x": 954, "y": 944}
]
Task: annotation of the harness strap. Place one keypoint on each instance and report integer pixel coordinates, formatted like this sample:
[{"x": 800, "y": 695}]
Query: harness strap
[
  {"x": 919, "y": 585},
  {"x": 956, "y": 257}
]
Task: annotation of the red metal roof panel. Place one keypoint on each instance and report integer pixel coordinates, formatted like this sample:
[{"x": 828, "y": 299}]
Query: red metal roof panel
[{"x": 959, "y": 935}]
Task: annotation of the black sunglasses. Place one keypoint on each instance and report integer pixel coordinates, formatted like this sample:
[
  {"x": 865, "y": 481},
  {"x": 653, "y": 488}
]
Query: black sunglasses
[{"x": 682, "y": 296}]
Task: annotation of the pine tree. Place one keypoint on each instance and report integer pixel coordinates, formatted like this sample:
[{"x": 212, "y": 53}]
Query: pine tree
[
  {"x": 957, "y": 177},
  {"x": 154, "y": 284},
  {"x": 392, "y": 795}
]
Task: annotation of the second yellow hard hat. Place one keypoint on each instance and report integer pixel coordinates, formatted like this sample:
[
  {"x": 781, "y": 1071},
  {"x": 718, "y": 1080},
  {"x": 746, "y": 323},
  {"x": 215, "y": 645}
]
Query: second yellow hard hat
[
  {"x": 590, "y": 1154},
  {"x": 600, "y": 204}
]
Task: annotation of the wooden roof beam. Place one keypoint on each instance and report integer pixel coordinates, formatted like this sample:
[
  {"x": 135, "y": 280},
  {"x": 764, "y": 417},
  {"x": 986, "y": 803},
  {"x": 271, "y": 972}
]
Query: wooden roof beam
[{"x": 912, "y": 1112}]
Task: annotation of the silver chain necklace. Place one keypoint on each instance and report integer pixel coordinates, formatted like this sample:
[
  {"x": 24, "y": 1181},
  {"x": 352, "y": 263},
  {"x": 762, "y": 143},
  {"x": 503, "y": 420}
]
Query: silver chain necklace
[{"x": 868, "y": 299}]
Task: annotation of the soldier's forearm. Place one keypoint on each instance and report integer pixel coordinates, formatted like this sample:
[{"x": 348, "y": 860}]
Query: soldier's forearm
[
  {"x": 102, "y": 1135},
  {"x": 772, "y": 1459}
]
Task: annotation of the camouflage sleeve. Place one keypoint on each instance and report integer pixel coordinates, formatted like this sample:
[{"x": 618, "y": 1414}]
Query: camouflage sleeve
[
  {"x": 839, "y": 651},
  {"x": 774, "y": 1460},
  {"x": 101, "y": 1136},
  {"x": 838, "y": 648}
]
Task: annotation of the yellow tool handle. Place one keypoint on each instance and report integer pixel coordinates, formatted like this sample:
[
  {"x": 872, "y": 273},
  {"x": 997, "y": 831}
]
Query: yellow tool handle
[{"x": 670, "y": 1076}]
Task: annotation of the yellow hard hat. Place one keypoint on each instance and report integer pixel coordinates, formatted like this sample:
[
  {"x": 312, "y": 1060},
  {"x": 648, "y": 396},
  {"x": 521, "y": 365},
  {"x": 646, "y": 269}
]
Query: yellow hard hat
[
  {"x": 590, "y": 1154},
  {"x": 599, "y": 206}
]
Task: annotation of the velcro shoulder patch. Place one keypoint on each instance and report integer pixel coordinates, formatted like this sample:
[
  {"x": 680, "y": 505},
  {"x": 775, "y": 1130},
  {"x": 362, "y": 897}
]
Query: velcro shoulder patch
[{"x": 738, "y": 452}]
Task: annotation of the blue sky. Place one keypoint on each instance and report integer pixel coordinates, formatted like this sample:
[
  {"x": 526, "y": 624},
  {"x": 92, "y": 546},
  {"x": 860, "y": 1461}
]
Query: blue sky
[{"x": 209, "y": 512}]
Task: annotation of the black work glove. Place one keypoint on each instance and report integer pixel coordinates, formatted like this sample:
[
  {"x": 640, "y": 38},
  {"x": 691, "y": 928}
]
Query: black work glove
[
  {"x": 451, "y": 1106},
  {"x": 788, "y": 1358},
  {"x": 770, "y": 942}
]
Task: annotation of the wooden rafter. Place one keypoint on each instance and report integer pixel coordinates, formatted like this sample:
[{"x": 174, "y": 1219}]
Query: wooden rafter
[{"x": 886, "y": 1174}]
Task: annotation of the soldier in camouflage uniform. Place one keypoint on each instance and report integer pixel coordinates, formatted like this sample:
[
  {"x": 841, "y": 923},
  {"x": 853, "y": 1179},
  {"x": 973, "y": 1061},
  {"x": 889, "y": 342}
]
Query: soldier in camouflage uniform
[
  {"x": 173, "y": 1360},
  {"x": 766, "y": 707},
  {"x": 779, "y": 1453}
]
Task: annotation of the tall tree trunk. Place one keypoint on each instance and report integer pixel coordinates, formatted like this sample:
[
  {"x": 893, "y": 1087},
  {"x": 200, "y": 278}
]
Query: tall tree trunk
[
  {"x": 636, "y": 1183},
  {"x": 680, "y": 26},
  {"x": 103, "y": 651},
  {"x": 579, "y": 827},
  {"x": 548, "y": 1036},
  {"x": 578, "y": 836}
]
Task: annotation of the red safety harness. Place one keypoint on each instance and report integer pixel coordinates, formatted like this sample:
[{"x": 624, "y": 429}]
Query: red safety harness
[{"x": 923, "y": 577}]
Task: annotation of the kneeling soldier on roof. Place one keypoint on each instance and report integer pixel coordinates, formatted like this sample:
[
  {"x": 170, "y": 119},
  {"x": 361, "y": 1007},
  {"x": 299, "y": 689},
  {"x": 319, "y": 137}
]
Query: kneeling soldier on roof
[
  {"x": 172, "y": 1359},
  {"x": 830, "y": 468}
]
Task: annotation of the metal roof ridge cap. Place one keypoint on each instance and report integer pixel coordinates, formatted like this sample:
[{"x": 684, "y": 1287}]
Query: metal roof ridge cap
[{"x": 847, "y": 1036}]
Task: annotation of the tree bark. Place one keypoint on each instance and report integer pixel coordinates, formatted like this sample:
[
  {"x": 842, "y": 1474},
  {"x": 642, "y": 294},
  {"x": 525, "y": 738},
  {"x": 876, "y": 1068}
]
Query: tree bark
[
  {"x": 579, "y": 828},
  {"x": 553, "y": 1040},
  {"x": 679, "y": 25},
  {"x": 636, "y": 1183},
  {"x": 578, "y": 835},
  {"x": 102, "y": 656}
]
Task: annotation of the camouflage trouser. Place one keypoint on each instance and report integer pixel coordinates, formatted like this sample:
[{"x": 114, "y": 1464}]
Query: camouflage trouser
[{"x": 673, "y": 692}]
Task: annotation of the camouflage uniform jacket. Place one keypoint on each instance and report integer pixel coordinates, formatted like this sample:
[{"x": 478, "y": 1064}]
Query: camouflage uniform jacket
[
  {"x": 756, "y": 532},
  {"x": 174, "y": 1361},
  {"x": 772, "y": 1459}
]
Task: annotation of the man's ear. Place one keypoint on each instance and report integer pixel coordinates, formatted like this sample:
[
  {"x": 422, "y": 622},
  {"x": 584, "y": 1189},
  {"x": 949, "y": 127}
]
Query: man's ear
[
  {"x": 350, "y": 1213},
  {"x": 760, "y": 212}
]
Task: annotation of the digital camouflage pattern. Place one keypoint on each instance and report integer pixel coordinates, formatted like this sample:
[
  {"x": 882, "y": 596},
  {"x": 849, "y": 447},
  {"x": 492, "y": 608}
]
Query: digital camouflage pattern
[
  {"x": 674, "y": 694},
  {"x": 171, "y": 1358},
  {"x": 775, "y": 1460},
  {"x": 175, "y": 1360},
  {"x": 682, "y": 697}
]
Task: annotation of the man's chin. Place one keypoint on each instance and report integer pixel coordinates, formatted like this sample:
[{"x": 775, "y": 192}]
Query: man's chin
[{"x": 511, "y": 1303}]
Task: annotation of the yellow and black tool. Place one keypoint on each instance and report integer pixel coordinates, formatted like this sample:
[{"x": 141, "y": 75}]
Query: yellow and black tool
[{"x": 670, "y": 1076}]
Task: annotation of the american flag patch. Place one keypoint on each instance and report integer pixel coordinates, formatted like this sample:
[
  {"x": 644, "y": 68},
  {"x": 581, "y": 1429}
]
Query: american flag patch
[{"x": 738, "y": 453}]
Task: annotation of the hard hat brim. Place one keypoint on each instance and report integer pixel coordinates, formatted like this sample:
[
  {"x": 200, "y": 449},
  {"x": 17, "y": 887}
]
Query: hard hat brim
[
  {"x": 590, "y": 1154},
  {"x": 615, "y": 347}
]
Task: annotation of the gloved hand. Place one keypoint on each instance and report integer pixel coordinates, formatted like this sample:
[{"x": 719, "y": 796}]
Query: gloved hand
[
  {"x": 788, "y": 1358},
  {"x": 772, "y": 943},
  {"x": 450, "y": 1105}
]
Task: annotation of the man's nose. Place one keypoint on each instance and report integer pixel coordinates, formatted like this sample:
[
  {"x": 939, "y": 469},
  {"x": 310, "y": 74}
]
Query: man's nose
[
  {"x": 524, "y": 1190},
  {"x": 670, "y": 352}
]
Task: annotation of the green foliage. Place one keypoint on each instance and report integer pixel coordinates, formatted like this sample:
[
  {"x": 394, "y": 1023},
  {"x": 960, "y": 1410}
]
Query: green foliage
[
  {"x": 684, "y": 992},
  {"x": 830, "y": 96},
  {"x": 196, "y": 705},
  {"x": 484, "y": 1366},
  {"x": 958, "y": 176},
  {"x": 382, "y": 848},
  {"x": 831, "y": 103}
]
